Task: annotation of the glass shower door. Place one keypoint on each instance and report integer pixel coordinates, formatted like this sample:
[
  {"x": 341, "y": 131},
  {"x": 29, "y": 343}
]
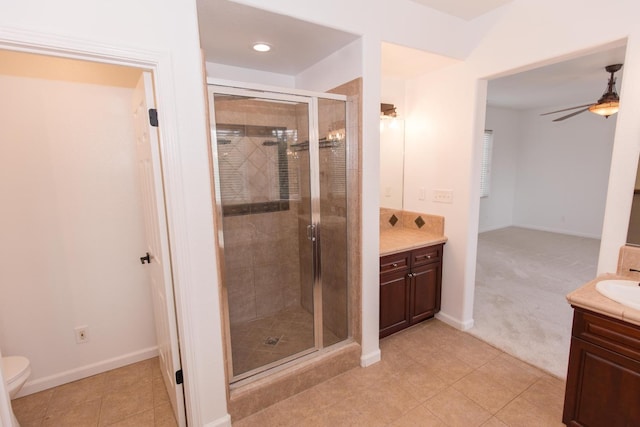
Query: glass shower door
[{"x": 263, "y": 181}]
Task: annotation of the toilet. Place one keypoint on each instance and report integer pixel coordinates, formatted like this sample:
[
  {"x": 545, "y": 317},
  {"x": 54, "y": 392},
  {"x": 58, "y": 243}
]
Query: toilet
[{"x": 16, "y": 370}]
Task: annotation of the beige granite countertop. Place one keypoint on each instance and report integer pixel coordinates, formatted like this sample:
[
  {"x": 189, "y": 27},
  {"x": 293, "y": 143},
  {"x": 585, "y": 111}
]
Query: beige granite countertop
[
  {"x": 589, "y": 298},
  {"x": 404, "y": 239}
]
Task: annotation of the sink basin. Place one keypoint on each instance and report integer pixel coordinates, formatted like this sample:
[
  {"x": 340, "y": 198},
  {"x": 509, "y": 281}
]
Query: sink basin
[{"x": 626, "y": 292}]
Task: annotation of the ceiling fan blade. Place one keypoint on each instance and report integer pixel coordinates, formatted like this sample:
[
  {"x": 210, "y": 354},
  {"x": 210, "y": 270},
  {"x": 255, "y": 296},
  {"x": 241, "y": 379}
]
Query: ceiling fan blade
[
  {"x": 571, "y": 115},
  {"x": 566, "y": 109}
]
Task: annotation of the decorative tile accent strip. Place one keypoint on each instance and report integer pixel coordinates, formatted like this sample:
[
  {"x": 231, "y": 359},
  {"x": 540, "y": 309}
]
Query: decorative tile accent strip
[
  {"x": 393, "y": 220},
  {"x": 254, "y": 208},
  {"x": 419, "y": 222}
]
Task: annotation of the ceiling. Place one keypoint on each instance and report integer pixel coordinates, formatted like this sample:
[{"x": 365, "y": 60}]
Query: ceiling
[
  {"x": 576, "y": 81},
  {"x": 229, "y": 29},
  {"x": 464, "y": 9}
]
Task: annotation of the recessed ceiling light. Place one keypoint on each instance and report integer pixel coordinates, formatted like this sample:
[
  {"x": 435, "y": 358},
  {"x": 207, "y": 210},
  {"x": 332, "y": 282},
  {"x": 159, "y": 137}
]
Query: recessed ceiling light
[{"x": 261, "y": 47}]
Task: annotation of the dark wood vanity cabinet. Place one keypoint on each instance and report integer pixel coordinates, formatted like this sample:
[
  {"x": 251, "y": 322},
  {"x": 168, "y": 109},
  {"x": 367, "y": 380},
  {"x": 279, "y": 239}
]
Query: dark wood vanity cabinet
[
  {"x": 603, "y": 380},
  {"x": 410, "y": 284}
]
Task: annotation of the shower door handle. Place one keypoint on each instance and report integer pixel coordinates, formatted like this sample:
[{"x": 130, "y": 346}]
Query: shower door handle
[{"x": 311, "y": 232}]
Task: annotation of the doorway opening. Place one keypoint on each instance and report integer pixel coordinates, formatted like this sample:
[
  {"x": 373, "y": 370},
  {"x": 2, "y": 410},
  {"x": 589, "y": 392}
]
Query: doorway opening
[
  {"x": 75, "y": 206},
  {"x": 541, "y": 220}
]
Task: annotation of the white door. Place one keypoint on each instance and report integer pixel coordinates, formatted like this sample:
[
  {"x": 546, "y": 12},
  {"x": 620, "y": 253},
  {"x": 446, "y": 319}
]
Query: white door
[{"x": 159, "y": 268}]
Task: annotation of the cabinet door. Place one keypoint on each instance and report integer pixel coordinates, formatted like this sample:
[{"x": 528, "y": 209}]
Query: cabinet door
[
  {"x": 394, "y": 302},
  {"x": 425, "y": 292},
  {"x": 603, "y": 387}
]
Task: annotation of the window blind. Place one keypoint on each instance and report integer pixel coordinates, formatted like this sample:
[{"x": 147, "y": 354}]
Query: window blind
[{"x": 485, "y": 168}]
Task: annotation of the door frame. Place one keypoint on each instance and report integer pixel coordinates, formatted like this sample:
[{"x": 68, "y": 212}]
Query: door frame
[{"x": 159, "y": 64}]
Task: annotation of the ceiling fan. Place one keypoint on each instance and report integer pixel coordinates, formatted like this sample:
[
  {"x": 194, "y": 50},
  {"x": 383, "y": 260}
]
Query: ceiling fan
[{"x": 606, "y": 105}]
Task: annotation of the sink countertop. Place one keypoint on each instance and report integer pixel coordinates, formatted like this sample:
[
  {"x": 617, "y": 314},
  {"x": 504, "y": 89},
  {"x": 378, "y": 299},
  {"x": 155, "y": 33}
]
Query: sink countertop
[
  {"x": 589, "y": 298},
  {"x": 397, "y": 240}
]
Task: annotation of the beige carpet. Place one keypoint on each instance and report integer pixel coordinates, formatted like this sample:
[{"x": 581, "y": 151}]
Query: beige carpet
[{"x": 522, "y": 278}]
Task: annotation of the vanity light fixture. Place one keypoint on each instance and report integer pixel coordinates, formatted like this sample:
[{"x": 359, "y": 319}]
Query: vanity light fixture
[
  {"x": 388, "y": 110},
  {"x": 261, "y": 47}
]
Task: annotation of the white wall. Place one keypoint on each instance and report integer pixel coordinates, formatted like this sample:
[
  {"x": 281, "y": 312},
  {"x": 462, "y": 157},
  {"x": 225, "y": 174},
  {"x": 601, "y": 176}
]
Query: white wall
[
  {"x": 516, "y": 42},
  {"x": 162, "y": 36},
  {"x": 393, "y": 92},
  {"x": 70, "y": 182},
  {"x": 545, "y": 175},
  {"x": 71, "y": 230},
  {"x": 563, "y": 172},
  {"x": 441, "y": 152},
  {"x": 496, "y": 210},
  {"x": 340, "y": 67},
  {"x": 524, "y": 34},
  {"x": 240, "y": 74}
]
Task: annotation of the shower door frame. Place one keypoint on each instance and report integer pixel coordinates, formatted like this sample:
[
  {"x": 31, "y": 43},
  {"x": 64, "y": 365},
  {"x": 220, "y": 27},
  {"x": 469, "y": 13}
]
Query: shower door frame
[{"x": 215, "y": 86}]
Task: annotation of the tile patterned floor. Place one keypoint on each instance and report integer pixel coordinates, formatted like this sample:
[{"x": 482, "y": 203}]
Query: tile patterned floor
[
  {"x": 430, "y": 375},
  {"x": 133, "y": 396}
]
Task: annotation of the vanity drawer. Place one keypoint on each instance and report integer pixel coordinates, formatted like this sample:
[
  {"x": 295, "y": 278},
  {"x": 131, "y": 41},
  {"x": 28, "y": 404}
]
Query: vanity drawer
[
  {"x": 394, "y": 262},
  {"x": 426, "y": 255},
  {"x": 612, "y": 334}
]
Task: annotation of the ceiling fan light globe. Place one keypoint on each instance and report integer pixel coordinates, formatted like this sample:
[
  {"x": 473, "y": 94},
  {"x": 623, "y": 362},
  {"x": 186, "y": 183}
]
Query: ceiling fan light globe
[{"x": 605, "y": 108}]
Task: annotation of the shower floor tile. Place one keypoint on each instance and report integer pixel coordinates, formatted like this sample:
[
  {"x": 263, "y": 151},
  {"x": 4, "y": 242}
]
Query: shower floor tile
[{"x": 291, "y": 328}]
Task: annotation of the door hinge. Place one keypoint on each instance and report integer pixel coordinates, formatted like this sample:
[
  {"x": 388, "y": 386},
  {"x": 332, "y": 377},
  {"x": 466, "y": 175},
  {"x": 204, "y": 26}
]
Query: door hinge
[
  {"x": 153, "y": 117},
  {"x": 179, "y": 378}
]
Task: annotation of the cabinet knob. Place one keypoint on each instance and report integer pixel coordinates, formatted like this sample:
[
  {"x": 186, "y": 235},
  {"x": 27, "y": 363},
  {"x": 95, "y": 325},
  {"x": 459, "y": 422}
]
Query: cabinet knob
[
  {"x": 428, "y": 256},
  {"x": 410, "y": 275},
  {"x": 395, "y": 264}
]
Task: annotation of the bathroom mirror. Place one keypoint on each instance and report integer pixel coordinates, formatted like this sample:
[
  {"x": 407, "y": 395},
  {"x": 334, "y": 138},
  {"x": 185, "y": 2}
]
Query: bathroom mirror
[
  {"x": 391, "y": 162},
  {"x": 633, "y": 233}
]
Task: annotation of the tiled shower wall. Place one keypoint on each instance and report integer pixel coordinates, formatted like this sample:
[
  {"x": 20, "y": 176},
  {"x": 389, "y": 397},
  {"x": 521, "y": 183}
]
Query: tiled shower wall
[
  {"x": 271, "y": 389},
  {"x": 267, "y": 255},
  {"x": 261, "y": 254},
  {"x": 333, "y": 227}
]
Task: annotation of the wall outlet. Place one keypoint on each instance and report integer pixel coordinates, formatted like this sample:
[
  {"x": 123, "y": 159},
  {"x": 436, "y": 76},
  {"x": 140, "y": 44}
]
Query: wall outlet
[
  {"x": 82, "y": 334},
  {"x": 443, "y": 196}
]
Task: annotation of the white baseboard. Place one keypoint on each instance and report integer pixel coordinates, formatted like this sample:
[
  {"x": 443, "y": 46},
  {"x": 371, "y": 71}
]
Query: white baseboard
[
  {"x": 550, "y": 230},
  {"x": 553, "y": 230},
  {"x": 220, "y": 422},
  {"x": 456, "y": 323},
  {"x": 494, "y": 227},
  {"x": 65, "y": 377},
  {"x": 371, "y": 358}
]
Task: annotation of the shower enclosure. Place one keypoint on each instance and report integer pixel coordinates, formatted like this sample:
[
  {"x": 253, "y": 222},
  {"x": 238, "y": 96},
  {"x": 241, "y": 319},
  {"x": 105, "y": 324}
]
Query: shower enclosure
[{"x": 281, "y": 192}]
